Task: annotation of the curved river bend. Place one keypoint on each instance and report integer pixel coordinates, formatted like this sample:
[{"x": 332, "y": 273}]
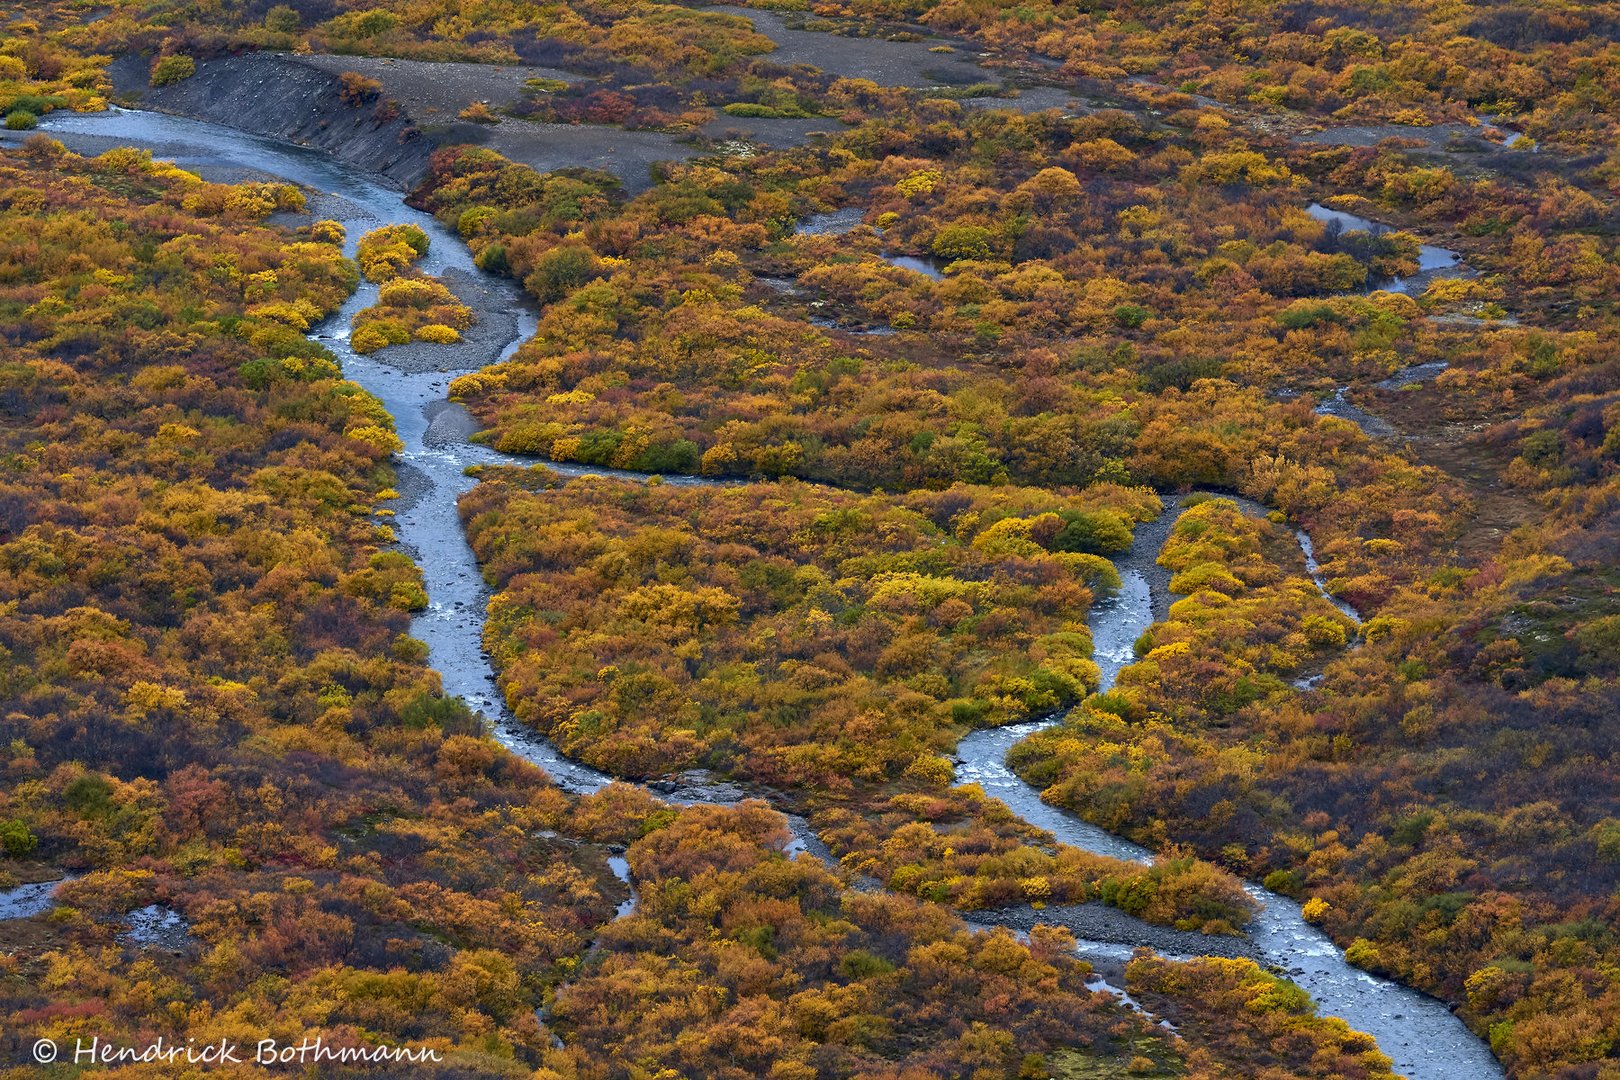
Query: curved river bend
[
  {"x": 1434, "y": 263},
  {"x": 1418, "y": 1032}
]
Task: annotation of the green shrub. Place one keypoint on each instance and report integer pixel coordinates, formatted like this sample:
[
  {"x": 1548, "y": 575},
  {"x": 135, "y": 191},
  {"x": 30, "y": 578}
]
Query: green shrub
[
  {"x": 768, "y": 112},
  {"x": 493, "y": 260},
  {"x": 1132, "y": 316},
  {"x": 172, "y": 69},
  {"x": 560, "y": 271},
  {"x": 16, "y": 839},
  {"x": 962, "y": 242},
  {"x": 282, "y": 20},
  {"x": 861, "y": 964},
  {"x": 38, "y": 104}
]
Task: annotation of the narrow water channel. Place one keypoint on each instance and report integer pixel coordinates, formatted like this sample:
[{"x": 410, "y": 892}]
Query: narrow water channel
[
  {"x": 1338, "y": 404},
  {"x": 1434, "y": 263},
  {"x": 839, "y": 222},
  {"x": 1426, "y": 1042},
  {"x": 1419, "y": 1032}
]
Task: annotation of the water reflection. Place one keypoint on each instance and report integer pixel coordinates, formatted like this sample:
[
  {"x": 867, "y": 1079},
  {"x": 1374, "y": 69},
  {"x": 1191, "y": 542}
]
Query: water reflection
[{"x": 1434, "y": 262}]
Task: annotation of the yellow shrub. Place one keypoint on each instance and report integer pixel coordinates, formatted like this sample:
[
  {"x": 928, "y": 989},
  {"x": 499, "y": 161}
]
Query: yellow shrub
[
  {"x": 932, "y": 770},
  {"x": 921, "y": 182},
  {"x": 474, "y": 383},
  {"x": 414, "y": 292},
  {"x": 368, "y": 339},
  {"x": 1205, "y": 576},
  {"x": 720, "y": 458},
  {"x": 437, "y": 334},
  {"x": 300, "y": 314},
  {"x": 1035, "y": 888},
  {"x": 143, "y": 697},
  {"x": 1323, "y": 631},
  {"x": 384, "y": 253},
  {"x": 1363, "y": 954},
  {"x": 379, "y": 437}
]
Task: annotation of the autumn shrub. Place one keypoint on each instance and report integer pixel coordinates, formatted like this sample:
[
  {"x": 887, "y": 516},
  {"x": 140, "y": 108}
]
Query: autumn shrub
[
  {"x": 1240, "y": 1011},
  {"x": 1145, "y": 299},
  {"x": 387, "y": 252},
  {"x": 437, "y": 334},
  {"x": 920, "y": 632},
  {"x": 1135, "y": 322},
  {"x": 229, "y": 641},
  {"x": 328, "y": 232},
  {"x": 356, "y": 89},
  {"x": 643, "y": 676},
  {"x": 172, "y": 69},
  {"x": 377, "y": 334},
  {"x": 407, "y": 308},
  {"x": 833, "y": 972}
]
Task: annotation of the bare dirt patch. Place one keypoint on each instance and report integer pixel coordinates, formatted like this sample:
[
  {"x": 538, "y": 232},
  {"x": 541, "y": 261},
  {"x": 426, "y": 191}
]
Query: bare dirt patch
[
  {"x": 437, "y": 92},
  {"x": 883, "y": 61}
]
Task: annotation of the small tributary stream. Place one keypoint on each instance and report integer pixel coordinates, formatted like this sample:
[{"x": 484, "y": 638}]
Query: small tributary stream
[
  {"x": 1419, "y": 1032},
  {"x": 1434, "y": 262}
]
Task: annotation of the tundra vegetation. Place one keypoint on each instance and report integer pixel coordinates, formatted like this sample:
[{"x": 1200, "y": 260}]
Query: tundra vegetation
[
  {"x": 213, "y": 705},
  {"x": 212, "y": 702},
  {"x": 1134, "y": 304}
]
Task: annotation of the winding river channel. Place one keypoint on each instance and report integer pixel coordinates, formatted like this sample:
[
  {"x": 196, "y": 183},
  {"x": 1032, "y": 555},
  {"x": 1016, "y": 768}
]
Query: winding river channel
[
  {"x": 1433, "y": 262},
  {"x": 1425, "y": 1040}
]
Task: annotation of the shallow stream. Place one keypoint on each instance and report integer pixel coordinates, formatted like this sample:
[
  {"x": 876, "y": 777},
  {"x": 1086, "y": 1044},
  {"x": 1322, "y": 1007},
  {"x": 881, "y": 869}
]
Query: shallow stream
[{"x": 1434, "y": 263}]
